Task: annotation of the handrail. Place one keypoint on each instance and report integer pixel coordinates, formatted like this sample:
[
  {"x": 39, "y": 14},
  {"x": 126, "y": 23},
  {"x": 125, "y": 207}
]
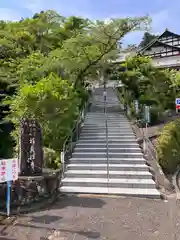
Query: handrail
[
  {"x": 106, "y": 127},
  {"x": 146, "y": 141},
  {"x": 68, "y": 143},
  {"x": 65, "y": 145},
  {"x": 148, "y": 147}
]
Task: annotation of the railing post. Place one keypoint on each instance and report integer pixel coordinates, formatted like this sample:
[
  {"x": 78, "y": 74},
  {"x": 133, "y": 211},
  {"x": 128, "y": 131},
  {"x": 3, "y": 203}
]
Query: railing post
[
  {"x": 76, "y": 131},
  {"x": 73, "y": 138},
  {"x": 62, "y": 162},
  {"x": 106, "y": 127},
  {"x": 71, "y": 146},
  {"x": 145, "y": 139}
]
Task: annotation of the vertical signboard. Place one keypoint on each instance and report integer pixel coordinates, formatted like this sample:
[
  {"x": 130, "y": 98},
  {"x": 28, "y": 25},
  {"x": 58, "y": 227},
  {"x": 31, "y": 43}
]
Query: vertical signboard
[
  {"x": 136, "y": 106},
  {"x": 8, "y": 170}
]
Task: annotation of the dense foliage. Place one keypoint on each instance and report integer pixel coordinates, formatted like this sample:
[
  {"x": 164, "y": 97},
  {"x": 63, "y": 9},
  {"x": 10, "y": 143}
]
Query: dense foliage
[
  {"x": 45, "y": 64},
  {"x": 158, "y": 89},
  {"x": 168, "y": 147},
  {"x": 149, "y": 85}
]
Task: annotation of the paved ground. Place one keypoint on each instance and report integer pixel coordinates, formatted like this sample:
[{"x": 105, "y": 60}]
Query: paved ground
[{"x": 79, "y": 218}]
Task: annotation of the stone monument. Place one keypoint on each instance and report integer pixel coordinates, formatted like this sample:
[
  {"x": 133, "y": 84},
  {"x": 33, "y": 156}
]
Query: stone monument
[{"x": 31, "y": 148}]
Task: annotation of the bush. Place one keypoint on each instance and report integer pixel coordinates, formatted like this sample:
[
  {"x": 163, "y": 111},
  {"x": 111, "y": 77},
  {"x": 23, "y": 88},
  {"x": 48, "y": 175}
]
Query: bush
[
  {"x": 168, "y": 147},
  {"x": 51, "y": 158}
]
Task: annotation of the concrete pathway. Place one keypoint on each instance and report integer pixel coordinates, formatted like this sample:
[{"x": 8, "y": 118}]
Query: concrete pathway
[{"x": 80, "y": 218}]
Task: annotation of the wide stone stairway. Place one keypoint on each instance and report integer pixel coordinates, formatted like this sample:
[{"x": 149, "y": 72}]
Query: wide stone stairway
[{"x": 107, "y": 158}]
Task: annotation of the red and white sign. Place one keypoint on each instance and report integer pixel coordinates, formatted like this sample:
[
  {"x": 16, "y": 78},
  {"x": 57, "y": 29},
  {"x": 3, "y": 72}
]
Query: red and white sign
[
  {"x": 8, "y": 170},
  {"x": 177, "y": 103}
]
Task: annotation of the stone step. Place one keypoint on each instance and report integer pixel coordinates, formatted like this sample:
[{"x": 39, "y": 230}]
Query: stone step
[
  {"x": 104, "y": 134},
  {"x": 112, "y": 183},
  {"x": 110, "y": 132},
  {"x": 101, "y": 140},
  {"x": 102, "y": 124},
  {"x": 109, "y": 122},
  {"x": 113, "y": 114},
  {"x": 112, "y": 174},
  {"x": 104, "y": 155},
  {"x": 109, "y": 115},
  {"x": 110, "y": 150},
  {"x": 103, "y": 128},
  {"x": 133, "y": 192},
  {"x": 98, "y": 160},
  {"x": 113, "y": 129},
  {"x": 110, "y": 137},
  {"x": 111, "y": 145},
  {"x": 109, "y": 118},
  {"x": 112, "y": 167}
]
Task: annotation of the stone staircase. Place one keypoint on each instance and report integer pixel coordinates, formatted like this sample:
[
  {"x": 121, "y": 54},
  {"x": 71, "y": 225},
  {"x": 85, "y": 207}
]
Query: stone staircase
[{"x": 88, "y": 171}]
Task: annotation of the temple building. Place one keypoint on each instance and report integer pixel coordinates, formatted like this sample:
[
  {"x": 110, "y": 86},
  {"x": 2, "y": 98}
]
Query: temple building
[{"x": 164, "y": 51}]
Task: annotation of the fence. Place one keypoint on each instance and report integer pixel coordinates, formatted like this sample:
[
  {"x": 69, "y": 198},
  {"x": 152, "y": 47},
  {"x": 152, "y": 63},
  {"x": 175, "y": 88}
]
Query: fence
[
  {"x": 141, "y": 125},
  {"x": 71, "y": 140}
]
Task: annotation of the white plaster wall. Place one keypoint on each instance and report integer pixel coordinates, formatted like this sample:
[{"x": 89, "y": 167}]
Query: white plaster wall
[
  {"x": 168, "y": 61},
  {"x": 157, "y": 50},
  {"x": 122, "y": 56}
]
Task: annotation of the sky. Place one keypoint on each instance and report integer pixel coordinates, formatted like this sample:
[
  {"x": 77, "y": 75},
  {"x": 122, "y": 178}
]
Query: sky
[{"x": 164, "y": 13}]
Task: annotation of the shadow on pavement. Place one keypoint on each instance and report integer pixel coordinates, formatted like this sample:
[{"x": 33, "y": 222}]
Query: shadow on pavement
[
  {"x": 46, "y": 219},
  {"x": 89, "y": 234},
  {"x": 75, "y": 201}
]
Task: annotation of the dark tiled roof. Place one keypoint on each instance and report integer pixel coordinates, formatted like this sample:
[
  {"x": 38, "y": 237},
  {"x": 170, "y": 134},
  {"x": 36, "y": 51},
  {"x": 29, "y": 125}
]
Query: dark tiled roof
[{"x": 158, "y": 42}]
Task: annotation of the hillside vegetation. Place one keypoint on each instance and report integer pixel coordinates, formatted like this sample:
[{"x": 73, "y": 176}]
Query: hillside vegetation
[{"x": 46, "y": 63}]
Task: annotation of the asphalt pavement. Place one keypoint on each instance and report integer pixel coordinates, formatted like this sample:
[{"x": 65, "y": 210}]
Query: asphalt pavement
[{"x": 98, "y": 217}]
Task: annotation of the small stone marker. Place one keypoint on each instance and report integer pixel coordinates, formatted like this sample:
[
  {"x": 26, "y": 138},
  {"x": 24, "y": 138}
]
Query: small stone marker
[{"x": 31, "y": 151}]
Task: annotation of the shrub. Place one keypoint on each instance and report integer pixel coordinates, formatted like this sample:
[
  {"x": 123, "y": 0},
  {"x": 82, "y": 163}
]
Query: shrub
[
  {"x": 168, "y": 147},
  {"x": 51, "y": 158}
]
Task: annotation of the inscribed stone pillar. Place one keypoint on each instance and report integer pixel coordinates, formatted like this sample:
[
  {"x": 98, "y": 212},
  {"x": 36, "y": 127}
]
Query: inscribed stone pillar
[{"x": 31, "y": 149}]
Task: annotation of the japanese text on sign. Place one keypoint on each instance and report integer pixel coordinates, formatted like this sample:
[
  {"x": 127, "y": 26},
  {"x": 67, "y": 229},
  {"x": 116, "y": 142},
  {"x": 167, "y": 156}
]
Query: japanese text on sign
[
  {"x": 8, "y": 170},
  {"x": 177, "y": 101}
]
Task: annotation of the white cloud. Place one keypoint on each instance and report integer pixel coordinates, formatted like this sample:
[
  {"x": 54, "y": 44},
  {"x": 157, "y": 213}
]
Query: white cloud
[{"x": 9, "y": 14}]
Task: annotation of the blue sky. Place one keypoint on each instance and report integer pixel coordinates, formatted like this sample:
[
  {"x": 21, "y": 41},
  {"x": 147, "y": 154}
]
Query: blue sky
[{"x": 164, "y": 13}]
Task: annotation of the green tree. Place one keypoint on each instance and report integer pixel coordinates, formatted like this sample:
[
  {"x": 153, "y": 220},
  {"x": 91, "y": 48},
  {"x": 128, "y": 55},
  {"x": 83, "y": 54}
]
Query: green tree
[
  {"x": 40, "y": 52},
  {"x": 53, "y": 102},
  {"x": 150, "y": 85},
  {"x": 147, "y": 38}
]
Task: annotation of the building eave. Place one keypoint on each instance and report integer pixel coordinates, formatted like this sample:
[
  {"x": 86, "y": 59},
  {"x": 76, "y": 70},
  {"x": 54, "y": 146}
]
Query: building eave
[{"x": 165, "y": 33}]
